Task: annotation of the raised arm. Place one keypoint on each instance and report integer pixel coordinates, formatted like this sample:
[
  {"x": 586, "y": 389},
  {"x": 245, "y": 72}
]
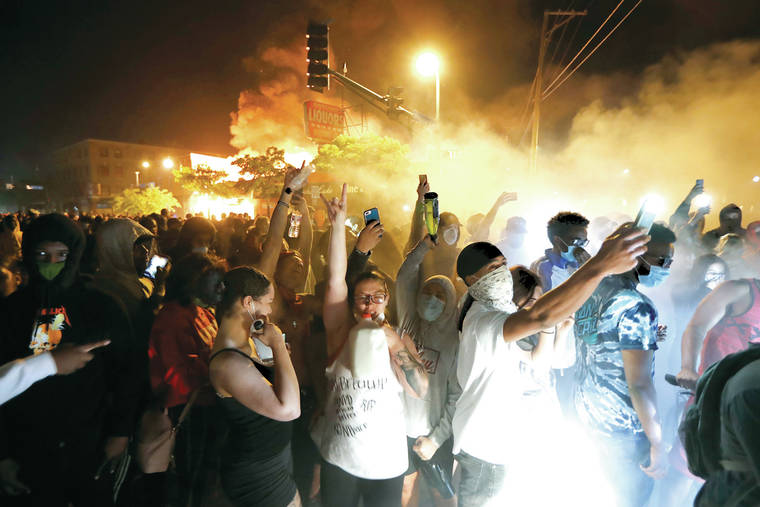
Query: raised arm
[
  {"x": 335, "y": 311},
  {"x": 484, "y": 228},
  {"x": 277, "y": 223},
  {"x": 681, "y": 213},
  {"x": 417, "y": 231},
  {"x": 709, "y": 312},
  {"x": 408, "y": 280},
  {"x": 306, "y": 237},
  {"x": 618, "y": 255}
]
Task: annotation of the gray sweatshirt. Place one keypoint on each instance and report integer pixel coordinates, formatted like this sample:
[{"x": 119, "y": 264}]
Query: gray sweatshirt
[{"x": 437, "y": 343}]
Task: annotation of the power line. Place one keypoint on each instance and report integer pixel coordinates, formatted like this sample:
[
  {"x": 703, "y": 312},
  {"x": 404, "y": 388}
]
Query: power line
[
  {"x": 548, "y": 91},
  {"x": 584, "y": 46}
]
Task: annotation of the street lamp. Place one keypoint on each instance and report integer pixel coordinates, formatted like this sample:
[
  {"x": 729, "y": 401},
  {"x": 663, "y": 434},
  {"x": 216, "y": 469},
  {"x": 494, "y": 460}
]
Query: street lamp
[
  {"x": 168, "y": 163},
  {"x": 428, "y": 65},
  {"x": 146, "y": 164}
]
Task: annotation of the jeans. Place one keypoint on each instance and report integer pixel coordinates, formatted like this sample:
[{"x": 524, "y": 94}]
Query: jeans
[
  {"x": 481, "y": 481},
  {"x": 621, "y": 457}
]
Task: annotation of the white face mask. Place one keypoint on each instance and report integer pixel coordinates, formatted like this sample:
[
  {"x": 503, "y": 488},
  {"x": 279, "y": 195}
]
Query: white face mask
[
  {"x": 430, "y": 307},
  {"x": 495, "y": 290},
  {"x": 713, "y": 278},
  {"x": 201, "y": 250},
  {"x": 450, "y": 235}
]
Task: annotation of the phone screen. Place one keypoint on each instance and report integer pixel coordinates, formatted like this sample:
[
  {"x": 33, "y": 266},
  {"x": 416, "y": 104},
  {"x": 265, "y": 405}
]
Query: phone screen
[
  {"x": 155, "y": 262},
  {"x": 644, "y": 219},
  {"x": 371, "y": 215}
]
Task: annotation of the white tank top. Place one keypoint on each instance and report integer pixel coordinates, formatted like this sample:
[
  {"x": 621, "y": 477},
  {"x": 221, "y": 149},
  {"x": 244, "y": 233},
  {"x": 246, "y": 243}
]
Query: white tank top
[{"x": 363, "y": 429}]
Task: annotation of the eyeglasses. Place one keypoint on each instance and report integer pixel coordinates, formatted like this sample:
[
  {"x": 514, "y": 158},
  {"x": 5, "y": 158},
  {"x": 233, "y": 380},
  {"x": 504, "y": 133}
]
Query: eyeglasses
[
  {"x": 378, "y": 298},
  {"x": 579, "y": 242},
  {"x": 664, "y": 262}
]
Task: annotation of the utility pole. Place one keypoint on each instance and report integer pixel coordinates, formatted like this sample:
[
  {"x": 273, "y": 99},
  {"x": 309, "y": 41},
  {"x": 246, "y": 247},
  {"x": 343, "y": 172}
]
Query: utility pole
[{"x": 546, "y": 35}]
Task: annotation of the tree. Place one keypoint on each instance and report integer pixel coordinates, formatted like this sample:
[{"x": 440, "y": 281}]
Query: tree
[
  {"x": 382, "y": 157},
  {"x": 265, "y": 173},
  {"x": 378, "y": 165},
  {"x": 204, "y": 180},
  {"x": 133, "y": 201}
]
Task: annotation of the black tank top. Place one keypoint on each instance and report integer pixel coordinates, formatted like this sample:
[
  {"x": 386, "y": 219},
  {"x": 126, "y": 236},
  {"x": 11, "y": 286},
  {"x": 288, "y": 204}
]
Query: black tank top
[{"x": 252, "y": 436}]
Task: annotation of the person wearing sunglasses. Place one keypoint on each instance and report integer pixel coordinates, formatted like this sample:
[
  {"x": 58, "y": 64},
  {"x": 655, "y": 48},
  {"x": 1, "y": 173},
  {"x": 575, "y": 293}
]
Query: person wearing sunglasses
[
  {"x": 616, "y": 333},
  {"x": 568, "y": 234}
]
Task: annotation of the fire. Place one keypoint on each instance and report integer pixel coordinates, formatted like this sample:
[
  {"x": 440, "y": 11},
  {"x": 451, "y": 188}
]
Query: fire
[
  {"x": 219, "y": 164},
  {"x": 213, "y": 206}
]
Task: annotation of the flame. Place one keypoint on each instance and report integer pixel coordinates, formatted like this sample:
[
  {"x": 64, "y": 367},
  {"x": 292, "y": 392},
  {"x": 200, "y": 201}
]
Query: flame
[{"x": 213, "y": 206}]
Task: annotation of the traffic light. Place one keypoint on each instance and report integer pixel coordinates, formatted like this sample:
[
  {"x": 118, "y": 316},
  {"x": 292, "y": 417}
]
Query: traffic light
[{"x": 317, "y": 57}]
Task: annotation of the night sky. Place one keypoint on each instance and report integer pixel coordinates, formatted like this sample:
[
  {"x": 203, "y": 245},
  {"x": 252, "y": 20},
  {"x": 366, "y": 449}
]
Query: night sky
[{"x": 170, "y": 73}]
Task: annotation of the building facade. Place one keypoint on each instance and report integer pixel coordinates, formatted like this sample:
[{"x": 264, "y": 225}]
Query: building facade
[{"x": 85, "y": 176}]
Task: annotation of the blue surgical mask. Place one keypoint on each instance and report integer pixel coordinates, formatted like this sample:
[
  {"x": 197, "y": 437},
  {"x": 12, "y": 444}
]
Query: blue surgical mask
[
  {"x": 656, "y": 276},
  {"x": 431, "y": 307},
  {"x": 569, "y": 255}
]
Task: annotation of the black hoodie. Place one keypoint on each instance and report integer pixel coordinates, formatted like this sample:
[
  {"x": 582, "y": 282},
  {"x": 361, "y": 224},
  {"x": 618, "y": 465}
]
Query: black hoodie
[
  {"x": 76, "y": 411},
  {"x": 727, "y": 226}
]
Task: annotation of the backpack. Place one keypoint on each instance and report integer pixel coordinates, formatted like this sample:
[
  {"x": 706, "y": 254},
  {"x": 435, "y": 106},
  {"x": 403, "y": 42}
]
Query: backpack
[{"x": 700, "y": 429}]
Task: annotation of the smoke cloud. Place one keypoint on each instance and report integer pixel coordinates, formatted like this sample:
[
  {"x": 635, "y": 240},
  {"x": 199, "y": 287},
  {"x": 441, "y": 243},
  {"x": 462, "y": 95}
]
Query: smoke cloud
[{"x": 607, "y": 140}]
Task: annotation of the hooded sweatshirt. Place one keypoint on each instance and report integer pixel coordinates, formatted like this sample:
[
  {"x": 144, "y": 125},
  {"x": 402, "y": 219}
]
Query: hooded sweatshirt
[
  {"x": 76, "y": 411},
  {"x": 117, "y": 275},
  {"x": 437, "y": 343},
  {"x": 727, "y": 226}
]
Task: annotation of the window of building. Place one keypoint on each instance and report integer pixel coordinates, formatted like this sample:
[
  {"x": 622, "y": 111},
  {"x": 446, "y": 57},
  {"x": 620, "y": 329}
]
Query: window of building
[
  {"x": 104, "y": 151},
  {"x": 118, "y": 171},
  {"x": 106, "y": 189},
  {"x": 117, "y": 153},
  {"x": 103, "y": 170}
]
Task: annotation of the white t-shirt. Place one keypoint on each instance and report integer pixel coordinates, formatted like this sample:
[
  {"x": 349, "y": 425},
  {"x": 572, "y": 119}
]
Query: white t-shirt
[
  {"x": 363, "y": 429},
  {"x": 488, "y": 413}
]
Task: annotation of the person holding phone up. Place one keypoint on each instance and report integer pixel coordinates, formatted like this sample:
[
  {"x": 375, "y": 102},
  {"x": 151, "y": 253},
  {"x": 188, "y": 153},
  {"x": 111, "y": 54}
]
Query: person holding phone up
[{"x": 361, "y": 436}]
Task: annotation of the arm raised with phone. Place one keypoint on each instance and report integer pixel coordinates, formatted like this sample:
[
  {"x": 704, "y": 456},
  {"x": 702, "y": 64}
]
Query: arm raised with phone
[{"x": 618, "y": 255}]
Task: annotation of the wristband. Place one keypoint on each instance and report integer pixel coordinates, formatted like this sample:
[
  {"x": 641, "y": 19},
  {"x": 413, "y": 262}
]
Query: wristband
[
  {"x": 362, "y": 253},
  {"x": 283, "y": 203}
]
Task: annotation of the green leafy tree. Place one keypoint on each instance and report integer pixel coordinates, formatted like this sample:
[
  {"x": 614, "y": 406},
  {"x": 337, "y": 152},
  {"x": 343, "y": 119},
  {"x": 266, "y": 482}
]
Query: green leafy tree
[
  {"x": 203, "y": 179},
  {"x": 376, "y": 166},
  {"x": 133, "y": 201},
  {"x": 381, "y": 158},
  {"x": 265, "y": 173}
]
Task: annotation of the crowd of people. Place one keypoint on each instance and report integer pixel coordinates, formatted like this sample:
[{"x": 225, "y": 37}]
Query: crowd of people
[{"x": 157, "y": 360}]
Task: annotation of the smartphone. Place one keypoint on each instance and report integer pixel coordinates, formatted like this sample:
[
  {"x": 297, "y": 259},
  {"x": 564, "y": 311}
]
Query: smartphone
[
  {"x": 645, "y": 218},
  {"x": 423, "y": 178},
  {"x": 701, "y": 182},
  {"x": 264, "y": 352},
  {"x": 155, "y": 262},
  {"x": 371, "y": 215}
]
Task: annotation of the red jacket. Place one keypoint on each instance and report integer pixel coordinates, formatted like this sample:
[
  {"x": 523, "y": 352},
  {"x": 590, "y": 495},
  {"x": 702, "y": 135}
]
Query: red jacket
[{"x": 180, "y": 345}]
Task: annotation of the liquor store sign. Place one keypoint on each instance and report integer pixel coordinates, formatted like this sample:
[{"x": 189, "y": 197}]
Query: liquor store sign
[{"x": 323, "y": 122}]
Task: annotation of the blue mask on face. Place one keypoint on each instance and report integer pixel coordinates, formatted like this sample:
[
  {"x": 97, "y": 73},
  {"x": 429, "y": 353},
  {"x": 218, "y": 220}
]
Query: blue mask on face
[
  {"x": 656, "y": 276},
  {"x": 569, "y": 255}
]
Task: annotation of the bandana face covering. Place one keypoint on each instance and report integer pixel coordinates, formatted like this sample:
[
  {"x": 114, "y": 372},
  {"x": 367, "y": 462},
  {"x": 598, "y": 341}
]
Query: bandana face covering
[{"x": 495, "y": 290}]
